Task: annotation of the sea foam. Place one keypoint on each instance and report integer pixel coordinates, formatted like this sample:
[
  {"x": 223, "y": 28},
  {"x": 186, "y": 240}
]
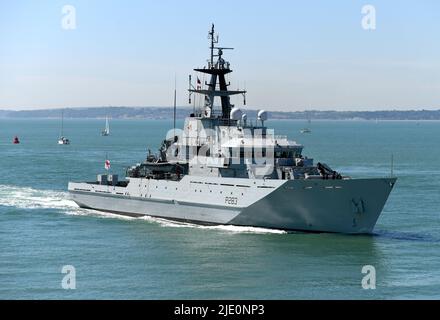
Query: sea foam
[{"x": 30, "y": 198}]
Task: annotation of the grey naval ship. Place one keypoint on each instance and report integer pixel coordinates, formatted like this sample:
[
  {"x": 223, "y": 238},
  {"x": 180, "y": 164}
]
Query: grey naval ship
[{"x": 224, "y": 169}]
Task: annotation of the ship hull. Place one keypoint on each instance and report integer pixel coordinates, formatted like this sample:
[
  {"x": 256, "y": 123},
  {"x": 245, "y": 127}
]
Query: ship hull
[
  {"x": 340, "y": 206},
  {"x": 349, "y": 206}
]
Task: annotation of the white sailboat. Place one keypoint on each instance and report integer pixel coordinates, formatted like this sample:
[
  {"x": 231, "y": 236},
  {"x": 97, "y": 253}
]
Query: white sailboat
[
  {"x": 307, "y": 129},
  {"x": 62, "y": 139},
  {"x": 106, "y": 131}
]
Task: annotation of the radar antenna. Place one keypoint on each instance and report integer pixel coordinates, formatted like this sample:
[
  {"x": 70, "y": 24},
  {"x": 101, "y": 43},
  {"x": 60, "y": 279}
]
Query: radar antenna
[
  {"x": 217, "y": 86},
  {"x": 214, "y": 40}
]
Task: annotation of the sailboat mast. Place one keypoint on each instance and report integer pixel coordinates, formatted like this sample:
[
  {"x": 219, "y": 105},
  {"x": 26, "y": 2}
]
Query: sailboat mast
[
  {"x": 62, "y": 122},
  {"x": 174, "y": 114}
]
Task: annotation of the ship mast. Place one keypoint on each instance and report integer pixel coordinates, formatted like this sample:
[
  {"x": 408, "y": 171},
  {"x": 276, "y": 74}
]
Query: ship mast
[
  {"x": 214, "y": 40},
  {"x": 217, "y": 70},
  {"x": 174, "y": 109}
]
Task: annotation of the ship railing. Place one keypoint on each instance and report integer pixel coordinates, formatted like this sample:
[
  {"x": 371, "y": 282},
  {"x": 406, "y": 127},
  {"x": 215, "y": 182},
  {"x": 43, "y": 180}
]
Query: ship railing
[
  {"x": 219, "y": 65},
  {"x": 226, "y": 122},
  {"x": 196, "y": 141}
]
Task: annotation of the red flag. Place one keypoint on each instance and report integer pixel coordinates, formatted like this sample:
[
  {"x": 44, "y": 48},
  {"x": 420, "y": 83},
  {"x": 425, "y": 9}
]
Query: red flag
[{"x": 107, "y": 165}]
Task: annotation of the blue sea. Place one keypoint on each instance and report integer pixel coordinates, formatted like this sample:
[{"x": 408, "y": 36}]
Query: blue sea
[{"x": 42, "y": 230}]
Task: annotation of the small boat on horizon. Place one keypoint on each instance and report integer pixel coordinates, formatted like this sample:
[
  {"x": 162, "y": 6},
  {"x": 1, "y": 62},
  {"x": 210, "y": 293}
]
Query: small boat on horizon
[
  {"x": 306, "y": 130},
  {"x": 106, "y": 131},
  {"x": 63, "y": 140}
]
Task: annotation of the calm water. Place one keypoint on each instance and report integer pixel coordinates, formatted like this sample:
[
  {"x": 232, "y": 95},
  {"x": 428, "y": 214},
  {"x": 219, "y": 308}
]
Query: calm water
[{"x": 41, "y": 230}]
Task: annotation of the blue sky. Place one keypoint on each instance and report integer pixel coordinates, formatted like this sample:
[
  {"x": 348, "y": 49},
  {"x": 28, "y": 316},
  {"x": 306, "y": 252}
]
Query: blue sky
[{"x": 290, "y": 55}]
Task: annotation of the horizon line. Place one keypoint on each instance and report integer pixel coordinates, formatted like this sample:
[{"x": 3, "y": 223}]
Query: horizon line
[{"x": 250, "y": 108}]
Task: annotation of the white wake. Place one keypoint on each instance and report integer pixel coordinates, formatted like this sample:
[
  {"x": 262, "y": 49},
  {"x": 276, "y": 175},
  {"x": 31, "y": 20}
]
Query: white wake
[
  {"x": 29, "y": 198},
  {"x": 227, "y": 228}
]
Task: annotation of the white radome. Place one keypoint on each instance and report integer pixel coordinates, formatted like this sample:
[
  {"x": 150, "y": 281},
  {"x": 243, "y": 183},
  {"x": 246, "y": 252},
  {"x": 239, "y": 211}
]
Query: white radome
[
  {"x": 262, "y": 115},
  {"x": 236, "y": 114}
]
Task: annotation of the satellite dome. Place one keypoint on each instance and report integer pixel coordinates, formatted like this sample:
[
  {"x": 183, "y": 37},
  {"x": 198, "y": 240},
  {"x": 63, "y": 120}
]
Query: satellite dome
[
  {"x": 236, "y": 114},
  {"x": 262, "y": 115}
]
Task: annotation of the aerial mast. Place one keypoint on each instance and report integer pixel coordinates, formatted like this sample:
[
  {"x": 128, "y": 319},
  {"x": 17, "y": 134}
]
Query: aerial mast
[
  {"x": 62, "y": 123},
  {"x": 214, "y": 40},
  {"x": 174, "y": 113},
  {"x": 217, "y": 86}
]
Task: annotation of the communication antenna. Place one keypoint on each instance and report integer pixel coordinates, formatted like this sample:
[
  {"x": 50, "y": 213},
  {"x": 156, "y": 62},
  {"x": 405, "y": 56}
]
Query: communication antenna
[
  {"x": 218, "y": 86},
  {"x": 214, "y": 39}
]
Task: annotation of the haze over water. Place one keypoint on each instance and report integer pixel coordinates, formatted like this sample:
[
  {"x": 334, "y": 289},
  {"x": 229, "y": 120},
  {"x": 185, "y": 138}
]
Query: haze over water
[{"x": 41, "y": 230}]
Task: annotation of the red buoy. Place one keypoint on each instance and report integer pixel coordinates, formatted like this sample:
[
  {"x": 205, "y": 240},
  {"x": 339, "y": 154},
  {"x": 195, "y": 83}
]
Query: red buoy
[{"x": 15, "y": 141}]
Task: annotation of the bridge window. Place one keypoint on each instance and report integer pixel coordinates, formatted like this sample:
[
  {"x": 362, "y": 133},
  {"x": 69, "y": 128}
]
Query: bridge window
[{"x": 285, "y": 154}]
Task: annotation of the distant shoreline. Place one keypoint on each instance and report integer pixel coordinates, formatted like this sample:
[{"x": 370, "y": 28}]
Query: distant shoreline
[{"x": 164, "y": 113}]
